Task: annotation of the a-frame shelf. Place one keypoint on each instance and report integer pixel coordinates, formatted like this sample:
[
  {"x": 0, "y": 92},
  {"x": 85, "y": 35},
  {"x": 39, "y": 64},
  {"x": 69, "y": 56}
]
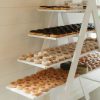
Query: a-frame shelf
[{"x": 91, "y": 8}]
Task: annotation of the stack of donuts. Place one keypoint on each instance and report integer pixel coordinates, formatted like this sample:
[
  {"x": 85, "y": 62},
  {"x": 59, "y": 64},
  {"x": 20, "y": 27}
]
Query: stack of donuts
[
  {"x": 41, "y": 82},
  {"x": 90, "y": 62},
  {"x": 60, "y": 31},
  {"x": 51, "y": 56}
]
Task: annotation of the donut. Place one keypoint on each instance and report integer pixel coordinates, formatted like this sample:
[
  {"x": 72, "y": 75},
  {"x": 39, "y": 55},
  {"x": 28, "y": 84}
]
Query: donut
[
  {"x": 46, "y": 63},
  {"x": 39, "y": 61},
  {"x": 23, "y": 57},
  {"x": 26, "y": 90},
  {"x": 36, "y": 92},
  {"x": 13, "y": 84}
]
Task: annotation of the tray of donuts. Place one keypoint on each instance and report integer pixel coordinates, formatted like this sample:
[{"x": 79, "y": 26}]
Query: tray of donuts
[
  {"x": 40, "y": 83},
  {"x": 44, "y": 81},
  {"x": 51, "y": 56},
  {"x": 60, "y": 31},
  {"x": 86, "y": 64},
  {"x": 47, "y": 7}
]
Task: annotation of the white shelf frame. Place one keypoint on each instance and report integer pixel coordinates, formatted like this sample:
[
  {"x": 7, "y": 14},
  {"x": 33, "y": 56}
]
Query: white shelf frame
[
  {"x": 51, "y": 38},
  {"x": 91, "y": 9},
  {"x": 90, "y": 76},
  {"x": 62, "y": 11},
  {"x": 58, "y": 38}
]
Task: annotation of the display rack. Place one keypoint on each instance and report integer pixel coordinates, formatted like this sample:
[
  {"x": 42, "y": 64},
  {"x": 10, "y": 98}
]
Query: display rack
[{"x": 91, "y": 8}]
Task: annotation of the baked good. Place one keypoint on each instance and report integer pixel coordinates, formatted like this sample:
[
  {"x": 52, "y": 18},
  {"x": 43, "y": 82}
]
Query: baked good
[
  {"x": 61, "y": 31},
  {"x": 50, "y": 56},
  {"x": 43, "y": 81},
  {"x": 63, "y": 7}
]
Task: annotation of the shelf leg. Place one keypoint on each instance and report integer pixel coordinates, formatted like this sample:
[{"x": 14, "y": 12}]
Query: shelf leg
[
  {"x": 96, "y": 21},
  {"x": 86, "y": 94},
  {"x": 60, "y": 19},
  {"x": 64, "y": 22},
  {"x": 78, "y": 49},
  {"x": 52, "y": 20}
]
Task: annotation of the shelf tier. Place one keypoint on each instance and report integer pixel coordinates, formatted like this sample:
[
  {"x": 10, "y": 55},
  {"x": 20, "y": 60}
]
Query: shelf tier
[
  {"x": 42, "y": 66},
  {"x": 34, "y": 97},
  {"x": 25, "y": 94},
  {"x": 51, "y": 38},
  {"x": 53, "y": 65},
  {"x": 91, "y": 87},
  {"x": 64, "y": 11},
  {"x": 93, "y": 76}
]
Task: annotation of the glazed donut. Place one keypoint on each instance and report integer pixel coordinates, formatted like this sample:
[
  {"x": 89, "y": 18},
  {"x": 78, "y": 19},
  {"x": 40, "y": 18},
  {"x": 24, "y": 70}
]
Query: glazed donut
[
  {"x": 13, "y": 84},
  {"x": 26, "y": 90},
  {"x": 39, "y": 61},
  {"x": 36, "y": 92},
  {"x": 23, "y": 57},
  {"x": 20, "y": 86},
  {"x": 30, "y": 55},
  {"x": 47, "y": 63},
  {"x": 29, "y": 59}
]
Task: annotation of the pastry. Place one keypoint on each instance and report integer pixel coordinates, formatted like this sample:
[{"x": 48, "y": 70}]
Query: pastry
[
  {"x": 61, "y": 31},
  {"x": 50, "y": 56},
  {"x": 41, "y": 82},
  {"x": 13, "y": 84}
]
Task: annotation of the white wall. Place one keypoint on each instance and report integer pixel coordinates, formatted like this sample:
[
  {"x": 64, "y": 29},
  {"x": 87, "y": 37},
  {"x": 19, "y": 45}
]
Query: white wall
[{"x": 17, "y": 18}]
